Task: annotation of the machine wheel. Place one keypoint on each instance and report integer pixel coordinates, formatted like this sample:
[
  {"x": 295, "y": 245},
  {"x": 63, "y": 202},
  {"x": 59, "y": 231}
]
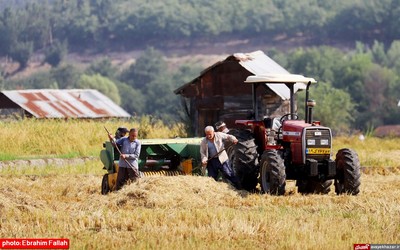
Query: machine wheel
[
  {"x": 347, "y": 172},
  {"x": 105, "y": 188},
  {"x": 243, "y": 159},
  {"x": 314, "y": 187},
  {"x": 273, "y": 175}
]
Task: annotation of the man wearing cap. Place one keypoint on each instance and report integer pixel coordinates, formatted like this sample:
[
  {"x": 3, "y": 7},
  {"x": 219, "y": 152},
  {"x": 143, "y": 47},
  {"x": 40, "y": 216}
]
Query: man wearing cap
[
  {"x": 221, "y": 127},
  {"x": 121, "y": 132}
]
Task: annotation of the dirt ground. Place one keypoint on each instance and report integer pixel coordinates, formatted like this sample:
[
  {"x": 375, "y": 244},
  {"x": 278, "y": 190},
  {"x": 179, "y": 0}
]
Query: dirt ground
[{"x": 204, "y": 53}]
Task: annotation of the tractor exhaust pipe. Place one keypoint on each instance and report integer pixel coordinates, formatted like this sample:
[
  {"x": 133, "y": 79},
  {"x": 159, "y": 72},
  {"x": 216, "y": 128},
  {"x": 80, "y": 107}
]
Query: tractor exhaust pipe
[
  {"x": 306, "y": 102},
  {"x": 310, "y": 106}
]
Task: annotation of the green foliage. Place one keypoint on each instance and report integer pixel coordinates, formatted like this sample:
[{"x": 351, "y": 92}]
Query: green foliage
[
  {"x": 66, "y": 76},
  {"x": 149, "y": 66},
  {"x": 102, "y": 84},
  {"x": 321, "y": 62},
  {"x": 150, "y": 77},
  {"x": 55, "y": 53},
  {"x": 40, "y": 80},
  {"x": 132, "y": 100},
  {"x": 186, "y": 73},
  {"x": 374, "y": 89},
  {"x": 21, "y": 52},
  {"x": 84, "y": 23},
  {"x": 102, "y": 66},
  {"x": 378, "y": 53},
  {"x": 393, "y": 55},
  {"x": 369, "y": 73},
  {"x": 334, "y": 107}
]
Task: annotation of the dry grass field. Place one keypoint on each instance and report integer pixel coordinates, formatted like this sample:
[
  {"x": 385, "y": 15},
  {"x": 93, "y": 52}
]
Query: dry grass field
[
  {"x": 192, "y": 212},
  {"x": 186, "y": 212}
]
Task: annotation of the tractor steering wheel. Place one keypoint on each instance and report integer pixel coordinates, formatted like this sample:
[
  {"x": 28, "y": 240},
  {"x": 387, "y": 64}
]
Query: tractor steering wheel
[{"x": 286, "y": 117}]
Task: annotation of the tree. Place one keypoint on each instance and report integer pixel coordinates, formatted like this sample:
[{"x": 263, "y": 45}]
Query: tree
[
  {"x": 149, "y": 66},
  {"x": 382, "y": 96},
  {"x": 102, "y": 84},
  {"x": 39, "y": 80},
  {"x": 150, "y": 77},
  {"x": 21, "y": 52},
  {"x": 55, "y": 53},
  {"x": 393, "y": 55},
  {"x": 349, "y": 76},
  {"x": 378, "y": 53},
  {"x": 132, "y": 100},
  {"x": 102, "y": 66},
  {"x": 66, "y": 76},
  {"x": 35, "y": 22},
  {"x": 334, "y": 107},
  {"x": 320, "y": 62}
]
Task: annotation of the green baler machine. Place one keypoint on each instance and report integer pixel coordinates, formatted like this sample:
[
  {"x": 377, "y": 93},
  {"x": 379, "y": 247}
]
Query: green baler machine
[{"x": 164, "y": 157}]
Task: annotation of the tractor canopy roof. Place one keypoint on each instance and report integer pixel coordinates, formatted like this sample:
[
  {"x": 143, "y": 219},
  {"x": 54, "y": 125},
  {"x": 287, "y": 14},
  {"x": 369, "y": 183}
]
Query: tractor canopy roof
[{"x": 279, "y": 78}]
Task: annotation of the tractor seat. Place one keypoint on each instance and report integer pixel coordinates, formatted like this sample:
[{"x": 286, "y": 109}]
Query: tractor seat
[{"x": 272, "y": 123}]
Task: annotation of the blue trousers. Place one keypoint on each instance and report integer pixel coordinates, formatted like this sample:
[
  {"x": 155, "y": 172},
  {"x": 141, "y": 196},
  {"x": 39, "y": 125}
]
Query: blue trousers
[{"x": 214, "y": 166}]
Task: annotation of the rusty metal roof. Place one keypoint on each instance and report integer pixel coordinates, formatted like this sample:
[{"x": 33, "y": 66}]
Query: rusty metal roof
[{"x": 65, "y": 103}]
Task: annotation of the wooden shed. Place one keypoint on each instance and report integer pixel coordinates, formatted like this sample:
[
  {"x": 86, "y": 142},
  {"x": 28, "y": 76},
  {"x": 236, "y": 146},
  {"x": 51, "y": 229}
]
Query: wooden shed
[{"x": 219, "y": 92}]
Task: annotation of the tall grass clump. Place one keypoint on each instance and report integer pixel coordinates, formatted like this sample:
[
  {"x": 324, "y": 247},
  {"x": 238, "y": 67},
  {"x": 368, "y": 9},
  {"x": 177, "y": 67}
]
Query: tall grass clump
[
  {"x": 372, "y": 151},
  {"x": 31, "y": 138},
  {"x": 34, "y": 138}
]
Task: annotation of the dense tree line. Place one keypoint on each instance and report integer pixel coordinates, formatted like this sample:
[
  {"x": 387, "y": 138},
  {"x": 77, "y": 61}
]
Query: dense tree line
[
  {"x": 146, "y": 87},
  {"x": 100, "y": 24},
  {"x": 357, "y": 89}
]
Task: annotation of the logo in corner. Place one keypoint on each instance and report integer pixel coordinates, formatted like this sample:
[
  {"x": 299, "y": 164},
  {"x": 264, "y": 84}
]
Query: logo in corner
[{"x": 362, "y": 247}]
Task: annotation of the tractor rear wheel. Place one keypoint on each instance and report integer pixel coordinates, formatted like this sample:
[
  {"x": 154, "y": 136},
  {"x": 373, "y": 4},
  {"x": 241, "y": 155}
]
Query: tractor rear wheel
[
  {"x": 105, "y": 188},
  {"x": 243, "y": 159},
  {"x": 347, "y": 172},
  {"x": 314, "y": 187},
  {"x": 273, "y": 175}
]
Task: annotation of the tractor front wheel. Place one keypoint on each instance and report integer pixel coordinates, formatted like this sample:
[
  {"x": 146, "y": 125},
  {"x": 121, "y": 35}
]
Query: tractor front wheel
[
  {"x": 347, "y": 172},
  {"x": 273, "y": 175}
]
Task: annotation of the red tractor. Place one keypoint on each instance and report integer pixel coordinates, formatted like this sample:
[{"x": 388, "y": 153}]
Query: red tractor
[{"x": 271, "y": 151}]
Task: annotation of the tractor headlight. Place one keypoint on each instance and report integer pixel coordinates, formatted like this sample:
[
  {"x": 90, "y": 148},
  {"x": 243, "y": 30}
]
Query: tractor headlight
[
  {"x": 311, "y": 142},
  {"x": 324, "y": 142}
]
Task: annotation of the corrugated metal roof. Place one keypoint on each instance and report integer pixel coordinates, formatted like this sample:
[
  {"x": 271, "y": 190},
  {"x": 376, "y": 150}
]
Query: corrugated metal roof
[
  {"x": 259, "y": 63},
  {"x": 65, "y": 103}
]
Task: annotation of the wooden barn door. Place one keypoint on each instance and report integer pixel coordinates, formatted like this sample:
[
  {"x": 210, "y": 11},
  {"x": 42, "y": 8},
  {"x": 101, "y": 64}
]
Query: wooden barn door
[{"x": 207, "y": 117}]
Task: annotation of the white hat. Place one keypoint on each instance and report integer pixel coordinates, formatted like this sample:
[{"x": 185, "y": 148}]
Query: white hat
[{"x": 219, "y": 124}]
